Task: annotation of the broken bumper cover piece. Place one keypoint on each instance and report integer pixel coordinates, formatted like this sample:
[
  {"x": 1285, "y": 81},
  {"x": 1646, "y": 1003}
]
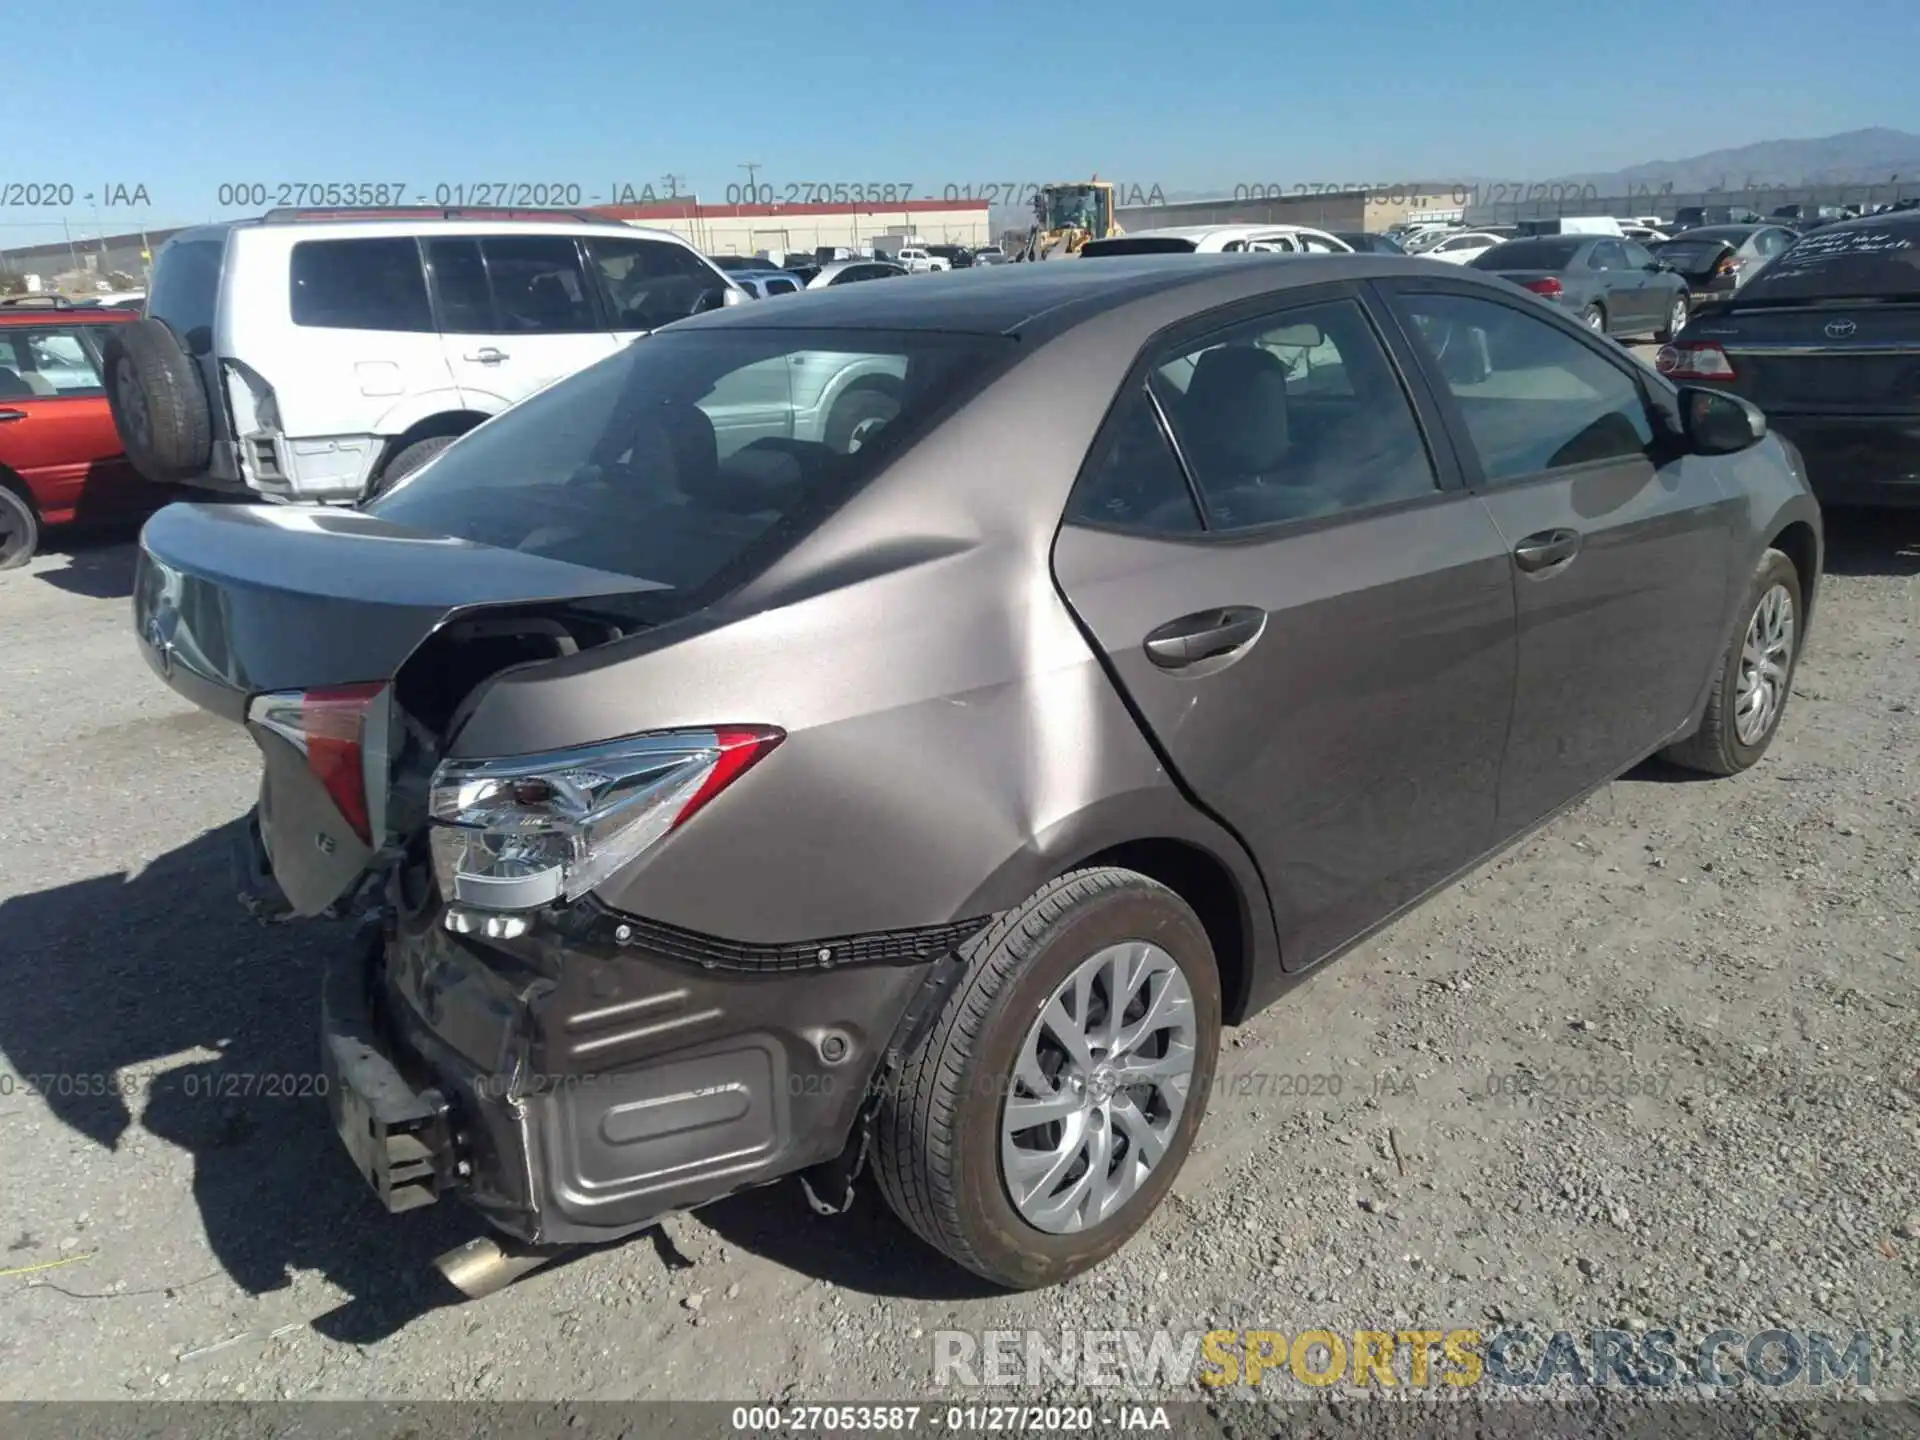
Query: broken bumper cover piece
[
  {"x": 576, "y": 1093},
  {"x": 397, "y": 1136}
]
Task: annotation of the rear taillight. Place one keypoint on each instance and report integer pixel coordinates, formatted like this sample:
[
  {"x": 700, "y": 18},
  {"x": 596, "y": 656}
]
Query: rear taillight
[
  {"x": 327, "y": 727},
  {"x": 1694, "y": 361},
  {"x": 518, "y": 833},
  {"x": 1546, "y": 285}
]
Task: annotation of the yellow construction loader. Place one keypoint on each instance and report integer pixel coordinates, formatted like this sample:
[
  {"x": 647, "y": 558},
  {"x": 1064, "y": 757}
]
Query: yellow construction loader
[{"x": 1066, "y": 216}]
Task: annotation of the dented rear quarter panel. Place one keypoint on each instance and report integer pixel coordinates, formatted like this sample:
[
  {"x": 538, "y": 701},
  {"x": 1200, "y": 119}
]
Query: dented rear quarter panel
[{"x": 952, "y": 740}]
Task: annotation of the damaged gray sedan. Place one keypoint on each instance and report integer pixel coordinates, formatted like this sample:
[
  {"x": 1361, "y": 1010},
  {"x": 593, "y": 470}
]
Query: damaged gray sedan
[{"x": 726, "y": 796}]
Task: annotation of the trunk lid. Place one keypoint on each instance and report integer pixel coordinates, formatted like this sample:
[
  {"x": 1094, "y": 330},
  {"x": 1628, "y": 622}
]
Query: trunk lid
[
  {"x": 237, "y": 607},
  {"x": 1693, "y": 259},
  {"x": 1833, "y": 359}
]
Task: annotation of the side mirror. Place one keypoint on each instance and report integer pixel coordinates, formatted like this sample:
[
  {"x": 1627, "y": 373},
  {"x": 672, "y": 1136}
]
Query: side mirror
[
  {"x": 1718, "y": 423},
  {"x": 733, "y": 295}
]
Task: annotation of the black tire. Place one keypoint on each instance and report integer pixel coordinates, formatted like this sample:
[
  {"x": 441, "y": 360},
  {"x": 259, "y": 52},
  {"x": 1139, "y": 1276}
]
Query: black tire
[
  {"x": 19, "y": 529},
  {"x": 159, "y": 402},
  {"x": 1594, "y": 317},
  {"x": 937, "y": 1134},
  {"x": 854, "y": 414},
  {"x": 1716, "y": 747},
  {"x": 1665, "y": 337},
  {"x": 409, "y": 460}
]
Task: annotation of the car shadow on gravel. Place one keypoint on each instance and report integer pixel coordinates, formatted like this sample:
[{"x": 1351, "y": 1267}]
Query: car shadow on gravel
[
  {"x": 1872, "y": 542},
  {"x": 99, "y": 563},
  {"x": 119, "y": 971},
  {"x": 867, "y": 1250}
]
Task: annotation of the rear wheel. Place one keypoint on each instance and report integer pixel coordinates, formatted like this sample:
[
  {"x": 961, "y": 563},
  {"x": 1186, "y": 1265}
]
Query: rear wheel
[
  {"x": 1755, "y": 678},
  {"x": 859, "y": 415},
  {"x": 1595, "y": 319},
  {"x": 19, "y": 530},
  {"x": 411, "y": 459},
  {"x": 1047, "y": 1111},
  {"x": 1676, "y": 320}
]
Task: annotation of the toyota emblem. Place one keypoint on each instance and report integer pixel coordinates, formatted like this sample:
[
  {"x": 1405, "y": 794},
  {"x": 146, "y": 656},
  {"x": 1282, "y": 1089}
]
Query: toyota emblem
[{"x": 1840, "y": 329}]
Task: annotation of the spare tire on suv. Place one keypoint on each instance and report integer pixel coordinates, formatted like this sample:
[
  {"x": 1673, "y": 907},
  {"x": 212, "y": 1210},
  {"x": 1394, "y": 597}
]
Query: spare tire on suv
[{"x": 159, "y": 402}]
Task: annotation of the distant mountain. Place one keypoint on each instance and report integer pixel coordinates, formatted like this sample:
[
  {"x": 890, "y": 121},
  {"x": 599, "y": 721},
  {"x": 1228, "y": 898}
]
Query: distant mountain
[{"x": 1856, "y": 157}]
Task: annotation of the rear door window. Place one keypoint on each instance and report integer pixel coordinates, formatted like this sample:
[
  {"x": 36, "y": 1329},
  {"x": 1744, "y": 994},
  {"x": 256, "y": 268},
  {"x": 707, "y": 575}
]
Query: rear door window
[
  {"x": 538, "y": 285},
  {"x": 1134, "y": 480},
  {"x": 369, "y": 284},
  {"x": 460, "y": 287},
  {"x": 50, "y": 364},
  {"x": 1294, "y": 416}
]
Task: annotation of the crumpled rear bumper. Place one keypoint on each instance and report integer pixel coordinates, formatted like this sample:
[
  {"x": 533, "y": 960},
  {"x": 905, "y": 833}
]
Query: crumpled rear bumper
[{"x": 575, "y": 1092}]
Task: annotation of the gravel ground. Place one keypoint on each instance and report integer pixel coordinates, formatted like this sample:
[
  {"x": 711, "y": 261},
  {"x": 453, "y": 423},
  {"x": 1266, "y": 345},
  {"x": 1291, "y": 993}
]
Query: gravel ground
[{"x": 1742, "y": 954}]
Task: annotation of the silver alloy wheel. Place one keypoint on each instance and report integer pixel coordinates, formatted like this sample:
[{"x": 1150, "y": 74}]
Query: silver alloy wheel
[
  {"x": 865, "y": 431},
  {"x": 1595, "y": 320},
  {"x": 1678, "y": 320},
  {"x": 1098, "y": 1088},
  {"x": 1765, "y": 655}
]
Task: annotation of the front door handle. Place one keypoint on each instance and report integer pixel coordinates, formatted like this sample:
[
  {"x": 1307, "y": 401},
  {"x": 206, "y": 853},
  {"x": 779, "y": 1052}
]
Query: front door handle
[
  {"x": 1204, "y": 635},
  {"x": 487, "y": 355},
  {"x": 1546, "y": 549},
  {"x": 6, "y": 415}
]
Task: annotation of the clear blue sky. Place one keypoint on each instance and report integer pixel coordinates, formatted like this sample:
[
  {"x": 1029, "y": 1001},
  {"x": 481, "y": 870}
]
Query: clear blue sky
[{"x": 184, "y": 96}]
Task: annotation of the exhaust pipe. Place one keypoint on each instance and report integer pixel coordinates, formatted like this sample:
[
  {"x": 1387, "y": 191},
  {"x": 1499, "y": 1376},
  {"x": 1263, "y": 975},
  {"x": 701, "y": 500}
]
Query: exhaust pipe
[{"x": 483, "y": 1266}]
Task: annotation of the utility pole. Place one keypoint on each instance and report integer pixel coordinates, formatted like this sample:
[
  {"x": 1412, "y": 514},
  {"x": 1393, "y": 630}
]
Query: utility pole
[{"x": 752, "y": 167}]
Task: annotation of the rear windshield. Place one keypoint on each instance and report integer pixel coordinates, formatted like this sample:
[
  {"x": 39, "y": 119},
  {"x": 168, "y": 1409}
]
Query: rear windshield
[
  {"x": 1852, "y": 262},
  {"x": 1545, "y": 253},
  {"x": 689, "y": 455},
  {"x": 1138, "y": 245}
]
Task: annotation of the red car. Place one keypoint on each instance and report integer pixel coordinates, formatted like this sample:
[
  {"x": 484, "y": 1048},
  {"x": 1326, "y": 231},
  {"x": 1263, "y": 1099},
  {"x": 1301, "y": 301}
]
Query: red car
[{"x": 61, "y": 460}]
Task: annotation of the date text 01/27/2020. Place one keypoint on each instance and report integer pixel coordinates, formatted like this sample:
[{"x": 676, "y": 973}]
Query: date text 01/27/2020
[
  {"x": 908, "y": 192},
  {"x": 513, "y": 194}
]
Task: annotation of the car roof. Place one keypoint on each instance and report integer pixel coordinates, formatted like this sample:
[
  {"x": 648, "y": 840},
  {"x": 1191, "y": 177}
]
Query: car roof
[
  {"x": 1047, "y": 297},
  {"x": 1741, "y": 228}
]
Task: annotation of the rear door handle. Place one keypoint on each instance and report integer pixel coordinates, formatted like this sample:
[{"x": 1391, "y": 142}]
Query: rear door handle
[
  {"x": 1546, "y": 549},
  {"x": 6, "y": 415},
  {"x": 487, "y": 355},
  {"x": 1204, "y": 635}
]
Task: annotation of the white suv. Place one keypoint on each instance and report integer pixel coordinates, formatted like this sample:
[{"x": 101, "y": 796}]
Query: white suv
[
  {"x": 919, "y": 262},
  {"x": 318, "y": 356}
]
